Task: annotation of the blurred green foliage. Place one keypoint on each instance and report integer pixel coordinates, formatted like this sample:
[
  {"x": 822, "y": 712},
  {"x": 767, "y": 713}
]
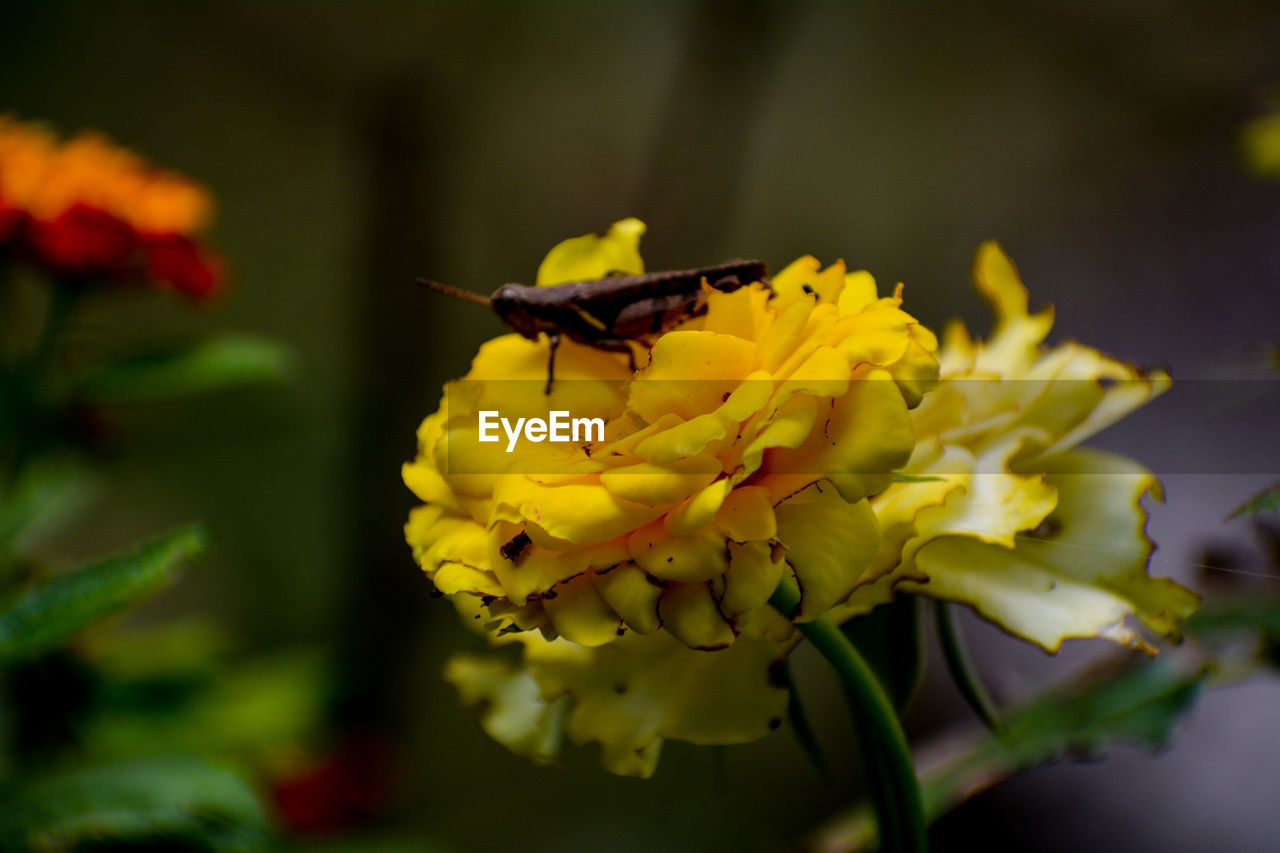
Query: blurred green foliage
[
  {"x": 113, "y": 747},
  {"x": 157, "y": 804},
  {"x": 49, "y": 612},
  {"x": 1137, "y": 703},
  {"x": 1094, "y": 138}
]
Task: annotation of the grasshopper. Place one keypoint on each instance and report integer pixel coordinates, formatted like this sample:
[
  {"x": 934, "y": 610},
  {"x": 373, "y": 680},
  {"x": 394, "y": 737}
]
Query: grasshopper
[{"x": 608, "y": 313}]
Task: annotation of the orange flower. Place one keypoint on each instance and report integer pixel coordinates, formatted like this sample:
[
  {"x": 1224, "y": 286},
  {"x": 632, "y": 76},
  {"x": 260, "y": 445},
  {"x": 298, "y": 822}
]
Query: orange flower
[{"x": 87, "y": 209}]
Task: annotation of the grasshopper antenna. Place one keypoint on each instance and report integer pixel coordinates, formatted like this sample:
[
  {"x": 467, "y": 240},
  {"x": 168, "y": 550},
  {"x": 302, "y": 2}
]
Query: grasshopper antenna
[{"x": 455, "y": 292}]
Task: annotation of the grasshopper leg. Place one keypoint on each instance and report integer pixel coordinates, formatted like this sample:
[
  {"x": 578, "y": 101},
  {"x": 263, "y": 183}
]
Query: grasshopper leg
[
  {"x": 618, "y": 345},
  {"x": 554, "y": 340}
]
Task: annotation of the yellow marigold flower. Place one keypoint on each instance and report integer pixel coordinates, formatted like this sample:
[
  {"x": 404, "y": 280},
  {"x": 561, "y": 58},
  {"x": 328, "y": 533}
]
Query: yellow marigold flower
[
  {"x": 87, "y": 208},
  {"x": 1004, "y": 513},
  {"x": 745, "y": 448},
  {"x": 1043, "y": 538}
]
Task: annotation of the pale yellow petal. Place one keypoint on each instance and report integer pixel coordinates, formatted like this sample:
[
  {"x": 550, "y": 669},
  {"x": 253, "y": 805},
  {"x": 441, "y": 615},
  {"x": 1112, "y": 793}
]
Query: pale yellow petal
[
  {"x": 516, "y": 715},
  {"x": 1083, "y": 574}
]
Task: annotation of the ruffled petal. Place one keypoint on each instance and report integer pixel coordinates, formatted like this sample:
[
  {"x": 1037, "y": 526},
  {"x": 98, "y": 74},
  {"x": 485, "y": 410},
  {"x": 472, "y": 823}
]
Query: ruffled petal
[
  {"x": 1081, "y": 572},
  {"x": 631, "y": 694},
  {"x": 591, "y": 256}
]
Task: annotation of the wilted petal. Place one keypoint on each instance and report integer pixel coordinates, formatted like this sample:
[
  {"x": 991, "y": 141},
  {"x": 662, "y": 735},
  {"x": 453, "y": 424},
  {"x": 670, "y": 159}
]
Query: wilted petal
[
  {"x": 517, "y": 716},
  {"x": 629, "y": 695},
  {"x": 1080, "y": 573}
]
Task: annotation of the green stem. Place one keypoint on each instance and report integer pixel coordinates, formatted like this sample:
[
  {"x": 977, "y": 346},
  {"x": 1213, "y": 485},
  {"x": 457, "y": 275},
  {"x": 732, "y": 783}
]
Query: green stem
[
  {"x": 34, "y": 386},
  {"x": 885, "y": 757},
  {"x": 962, "y": 669},
  {"x": 62, "y": 298}
]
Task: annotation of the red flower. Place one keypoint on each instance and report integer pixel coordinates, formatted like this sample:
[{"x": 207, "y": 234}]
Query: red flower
[
  {"x": 87, "y": 209},
  {"x": 345, "y": 790},
  {"x": 178, "y": 262},
  {"x": 83, "y": 241}
]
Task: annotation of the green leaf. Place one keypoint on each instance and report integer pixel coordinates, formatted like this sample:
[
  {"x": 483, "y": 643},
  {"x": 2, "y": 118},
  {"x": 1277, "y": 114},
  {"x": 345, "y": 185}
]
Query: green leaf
[
  {"x": 1264, "y": 501},
  {"x": 1224, "y": 623},
  {"x": 249, "y": 712},
  {"x": 889, "y": 638},
  {"x": 1260, "y": 614},
  {"x": 224, "y": 361},
  {"x": 180, "y": 803},
  {"x": 913, "y": 478},
  {"x": 1137, "y": 704},
  {"x": 50, "y": 611}
]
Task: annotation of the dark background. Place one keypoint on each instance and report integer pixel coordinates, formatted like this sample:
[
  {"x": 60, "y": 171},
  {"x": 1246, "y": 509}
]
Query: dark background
[{"x": 354, "y": 146}]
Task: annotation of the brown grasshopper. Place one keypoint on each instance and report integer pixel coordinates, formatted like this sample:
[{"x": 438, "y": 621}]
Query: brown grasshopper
[{"x": 612, "y": 312}]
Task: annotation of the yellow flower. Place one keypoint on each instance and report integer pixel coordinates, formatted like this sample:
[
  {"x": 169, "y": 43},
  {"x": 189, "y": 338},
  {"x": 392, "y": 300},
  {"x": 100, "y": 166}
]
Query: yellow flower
[
  {"x": 1018, "y": 523},
  {"x": 1006, "y": 513},
  {"x": 745, "y": 448}
]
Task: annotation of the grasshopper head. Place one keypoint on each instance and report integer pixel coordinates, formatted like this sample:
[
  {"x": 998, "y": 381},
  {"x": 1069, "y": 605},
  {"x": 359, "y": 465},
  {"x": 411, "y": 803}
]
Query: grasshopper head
[{"x": 511, "y": 305}]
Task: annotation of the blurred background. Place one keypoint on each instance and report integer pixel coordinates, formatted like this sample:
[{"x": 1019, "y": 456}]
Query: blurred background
[{"x": 353, "y": 147}]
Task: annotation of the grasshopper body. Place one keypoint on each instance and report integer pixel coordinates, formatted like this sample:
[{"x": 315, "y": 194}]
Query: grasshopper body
[{"x": 610, "y": 313}]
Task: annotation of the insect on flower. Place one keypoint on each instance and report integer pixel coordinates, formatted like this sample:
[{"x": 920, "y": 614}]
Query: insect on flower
[{"x": 612, "y": 312}]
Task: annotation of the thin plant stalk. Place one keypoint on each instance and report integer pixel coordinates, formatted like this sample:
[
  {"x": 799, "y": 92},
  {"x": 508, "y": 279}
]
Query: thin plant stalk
[
  {"x": 961, "y": 668},
  {"x": 890, "y": 777}
]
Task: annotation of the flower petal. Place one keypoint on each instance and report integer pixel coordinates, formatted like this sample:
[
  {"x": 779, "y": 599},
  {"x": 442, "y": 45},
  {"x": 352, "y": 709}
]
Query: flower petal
[
  {"x": 573, "y": 513},
  {"x": 1041, "y": 589},
  {"x": 629, "y": 695},
  {"x": 661, "y": 485},
  {"x": 829, "y": 542},
  {"x": 517, "y": 716},
  {"x": 591, "y": 256},
  {"x": 747, "y": 514},
  {"x": 689, "y": 612},
  {"x": 580, "y": 614},
  {"x": 751, "y": 578},
  {"x": 691, "y": 373},
  {"x": 632, "y": 594},
  {"x": 696, "y": 557}
]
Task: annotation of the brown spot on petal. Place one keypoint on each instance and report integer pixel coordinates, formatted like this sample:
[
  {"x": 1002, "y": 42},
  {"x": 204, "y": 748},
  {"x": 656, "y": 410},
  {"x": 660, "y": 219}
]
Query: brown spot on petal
[
  {"x": 778, "y": 674},
  {"x": 516, "y": 549}
]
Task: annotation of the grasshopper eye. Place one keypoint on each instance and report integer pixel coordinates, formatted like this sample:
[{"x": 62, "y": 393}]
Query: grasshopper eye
[{"x": 507, "y": 301}]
